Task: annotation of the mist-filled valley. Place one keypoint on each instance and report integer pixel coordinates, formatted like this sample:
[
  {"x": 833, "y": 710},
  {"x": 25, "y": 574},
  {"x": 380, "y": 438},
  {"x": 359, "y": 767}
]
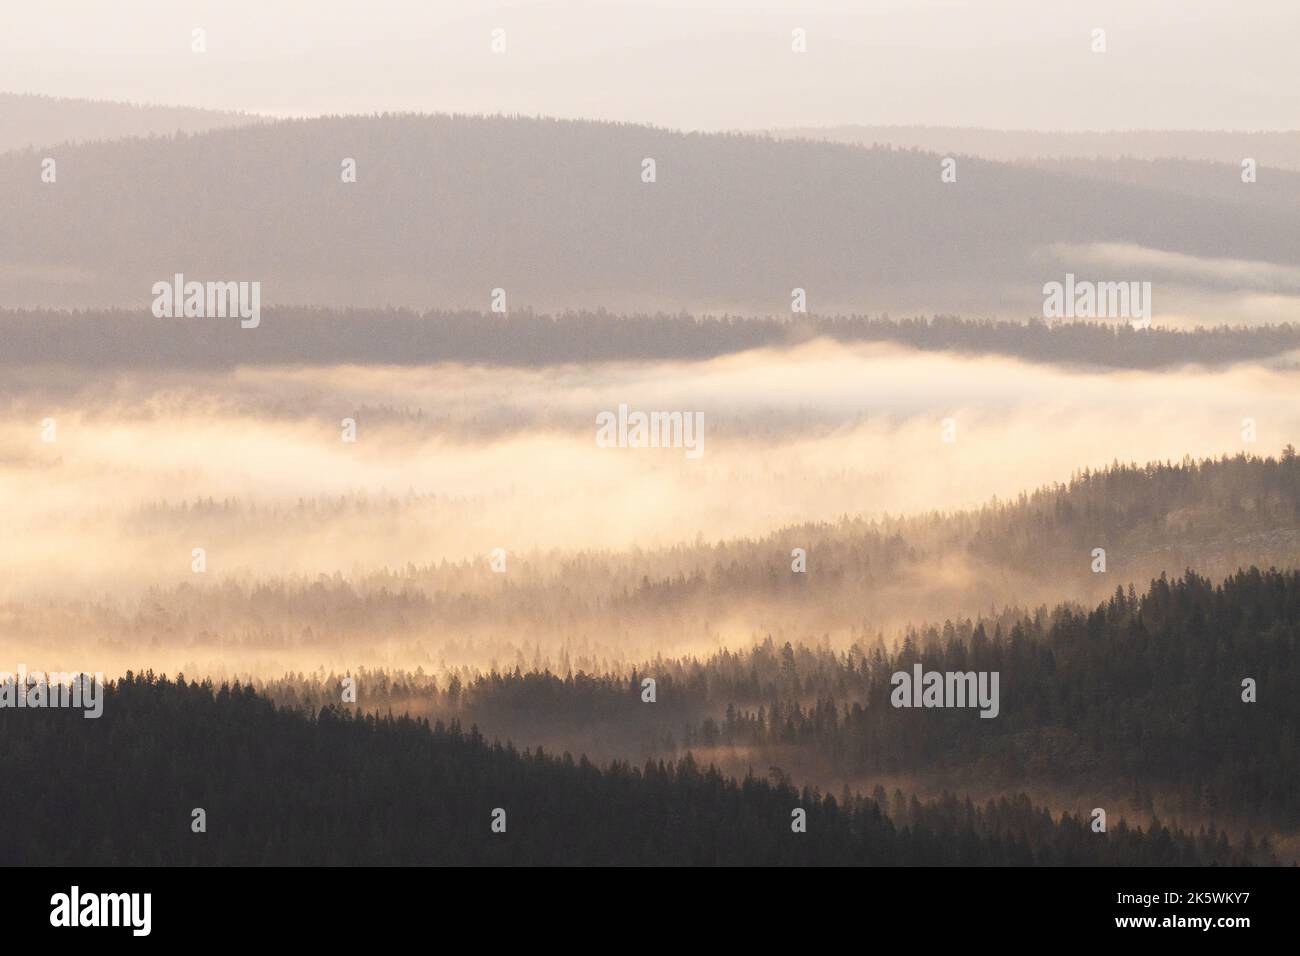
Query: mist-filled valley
[
  {"x": 385, "y": 541},
  {"x": 658, "y": 502},
  {"x": 469, "y": 553}
]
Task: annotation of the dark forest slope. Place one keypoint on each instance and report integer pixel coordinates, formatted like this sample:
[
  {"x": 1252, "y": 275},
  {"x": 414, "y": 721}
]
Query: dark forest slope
[
  {"x": 1141, "y": 694},
  {"x": 282, "y": 786}
]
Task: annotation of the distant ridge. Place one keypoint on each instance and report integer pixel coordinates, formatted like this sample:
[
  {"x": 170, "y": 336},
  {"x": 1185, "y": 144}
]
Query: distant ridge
[
  {"x": 32, "y": 120},
  {"x": 1280, "y": 150},
  {"x": 107, "y": 339},
  {"x": 555, "y": 212}
]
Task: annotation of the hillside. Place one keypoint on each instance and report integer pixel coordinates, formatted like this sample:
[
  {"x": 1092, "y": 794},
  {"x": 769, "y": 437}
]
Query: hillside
[
  {"x": 282, "y": 787},
  {"x": 602, "y": 610},
  {"x": 29, "y": 121},
  {"x": 1134, "y": 701},
  {"x": 1276, "y": 150},
  {"x": 447, "y": 208}
]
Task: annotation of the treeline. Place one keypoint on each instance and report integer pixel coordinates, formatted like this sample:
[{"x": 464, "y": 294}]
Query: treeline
[
  {"x": 135, "y": 339},
  {"x": 1140, "y": 696},
  {"x": 1215, "y": 515},
  {"x": 285, "y": 787},
  {"x": 35, "y": 120},
  {"x": 1276, "y": 150},
  {"x": 602, "y": 611}
]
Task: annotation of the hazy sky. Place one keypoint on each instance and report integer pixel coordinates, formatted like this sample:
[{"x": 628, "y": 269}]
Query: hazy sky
[{"x": 1199, "y": 64}]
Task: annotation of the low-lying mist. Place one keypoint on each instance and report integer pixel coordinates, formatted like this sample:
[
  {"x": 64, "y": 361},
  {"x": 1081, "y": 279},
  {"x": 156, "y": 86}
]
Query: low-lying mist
[{"x": 451, "y": 463}]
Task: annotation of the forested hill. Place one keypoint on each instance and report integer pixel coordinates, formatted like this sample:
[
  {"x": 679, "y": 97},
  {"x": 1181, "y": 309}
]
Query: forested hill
[
  {"x": 31, "y": 121},
  {"x": 1274, "y": 149},
  {"x": 872, "y": 575},
  {"x": 557, "y": 213},
  {"x": 120, "y": 339},
  {"x": 286, "y": 787},
  {"x": 1136, "y": 702}
]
